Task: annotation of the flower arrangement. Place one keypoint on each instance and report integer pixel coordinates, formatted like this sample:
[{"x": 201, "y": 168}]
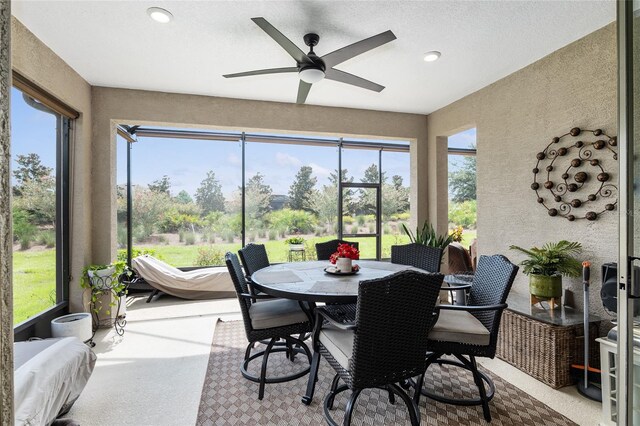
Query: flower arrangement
[{"x": 345, "y": 250}]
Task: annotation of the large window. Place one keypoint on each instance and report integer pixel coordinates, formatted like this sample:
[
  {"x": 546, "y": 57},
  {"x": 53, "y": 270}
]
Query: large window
[
  {"x": 206, "y": 193},
  {"x": 462, "y": 185},
  {"x": 39, "y": 146}
]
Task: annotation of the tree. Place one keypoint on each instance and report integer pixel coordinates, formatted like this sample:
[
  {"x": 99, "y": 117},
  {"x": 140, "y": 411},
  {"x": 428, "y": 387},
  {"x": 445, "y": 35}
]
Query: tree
[
  {"x": 462, "y": 182},
  {"x": 209, "y": 194},
  {"x": 257, "y": 197},
  {"x": 38, "y": 198},
  {"x": 348, "y": 203},
  {"x": 161, "y": 185},
  {"x": 301, "y": 191},
  {"x": 30, "y": 168},
  {"x": 183, "y": 197},
  {"x": 371, "y": 175}
]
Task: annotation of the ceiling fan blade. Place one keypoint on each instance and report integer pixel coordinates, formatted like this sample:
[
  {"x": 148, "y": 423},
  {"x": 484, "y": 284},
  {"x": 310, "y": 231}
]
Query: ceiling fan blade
[
  {"x": 303, "y": 91},
  {"x": 354, "y": 80},
  {"x": 261, "y": 72},
  {"x": 283, "y": 41},
  {"x": 339, "y": 56}
]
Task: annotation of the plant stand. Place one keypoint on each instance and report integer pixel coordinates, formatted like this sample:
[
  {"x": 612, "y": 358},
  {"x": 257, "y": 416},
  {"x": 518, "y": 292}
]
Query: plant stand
[
  {"x": 553, "y": 301},
  {"x": 105, "y": 287},
  {"x": 297, "y": 253}
]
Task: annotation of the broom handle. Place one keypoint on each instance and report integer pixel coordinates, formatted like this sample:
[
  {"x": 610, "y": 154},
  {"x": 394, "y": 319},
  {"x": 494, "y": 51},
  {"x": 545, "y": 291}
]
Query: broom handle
[{"x": 586, "y": 272}]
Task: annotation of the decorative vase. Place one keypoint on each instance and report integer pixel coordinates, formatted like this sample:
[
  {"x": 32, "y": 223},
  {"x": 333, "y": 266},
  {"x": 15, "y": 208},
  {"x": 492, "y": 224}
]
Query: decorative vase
[
  {"x": 344, "y": 264},
  {"x": 545, "y": 286}
]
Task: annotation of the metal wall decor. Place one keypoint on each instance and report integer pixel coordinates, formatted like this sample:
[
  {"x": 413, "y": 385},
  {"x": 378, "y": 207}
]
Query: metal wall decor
[{"x": 557, "y": 185}]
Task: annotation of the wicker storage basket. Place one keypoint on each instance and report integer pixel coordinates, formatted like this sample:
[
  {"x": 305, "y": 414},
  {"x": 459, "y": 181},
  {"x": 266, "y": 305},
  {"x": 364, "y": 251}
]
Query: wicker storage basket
[{"x": 542, "y": 350}]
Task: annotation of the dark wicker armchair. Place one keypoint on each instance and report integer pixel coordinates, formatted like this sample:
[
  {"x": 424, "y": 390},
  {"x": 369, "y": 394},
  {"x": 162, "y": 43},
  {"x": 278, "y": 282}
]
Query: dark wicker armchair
[
  {"x": 269, "y": 321},
  {"x": 326, "y": 249},
  {"x": 417, "y": 255},
  {"x": 253, "y": 257},
  {"x": 385, "y": 345},
  {"x": 470, "y": 331}
]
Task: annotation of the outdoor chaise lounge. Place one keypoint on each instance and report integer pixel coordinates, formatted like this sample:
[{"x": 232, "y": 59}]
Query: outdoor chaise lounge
[
  {"x": 49, "y": 376},
  {"x": 201, "y": 283}
]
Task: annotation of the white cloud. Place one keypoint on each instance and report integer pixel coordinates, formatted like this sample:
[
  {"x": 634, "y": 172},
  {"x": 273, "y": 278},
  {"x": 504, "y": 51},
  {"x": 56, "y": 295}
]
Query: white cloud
[
  {"x": 287, "y": 160},
  {"x": 320, "y": 171},
  {"x": 234, "y": 159}
]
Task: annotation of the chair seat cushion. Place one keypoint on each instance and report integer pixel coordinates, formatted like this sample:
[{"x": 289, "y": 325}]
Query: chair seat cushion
[
  {"x": 459, "y": 327},
  {"x": 276, "y": 313},
  {"x": 339, "y": 343}
]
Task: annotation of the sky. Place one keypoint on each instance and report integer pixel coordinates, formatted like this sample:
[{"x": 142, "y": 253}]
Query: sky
[
  {"x": 466, "y": 139},
  {"x": 186, "y": 162},
  {"x": 31, "y": 131}
]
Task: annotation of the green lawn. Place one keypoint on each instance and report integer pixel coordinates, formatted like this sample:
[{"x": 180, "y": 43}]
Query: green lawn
[
  {"x": 34, "y": 282},
  {"x": 278, "y": 250}
]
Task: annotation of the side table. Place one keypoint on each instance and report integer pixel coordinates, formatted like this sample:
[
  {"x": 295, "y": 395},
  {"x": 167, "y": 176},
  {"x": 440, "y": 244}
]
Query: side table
[{"x": 545, "y": 343}]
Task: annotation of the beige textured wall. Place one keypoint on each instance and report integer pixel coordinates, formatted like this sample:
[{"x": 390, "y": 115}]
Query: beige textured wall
[
  {"x": 34, "y": 60},
  {"x": 112, "y": 106},
  {"x": 515, "y": 118}
]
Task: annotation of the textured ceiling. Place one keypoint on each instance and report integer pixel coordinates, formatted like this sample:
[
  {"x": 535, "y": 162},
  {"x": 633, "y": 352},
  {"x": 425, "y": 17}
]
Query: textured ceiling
[{"x": 114, "y": 43}]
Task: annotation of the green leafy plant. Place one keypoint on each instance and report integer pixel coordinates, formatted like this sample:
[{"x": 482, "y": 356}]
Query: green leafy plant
[
  {"x": 294, "y": 240},
  {"x": 552, "y": 259},
  {"x": 115, "y": 285},
  {"x": 428, "y": 236}
]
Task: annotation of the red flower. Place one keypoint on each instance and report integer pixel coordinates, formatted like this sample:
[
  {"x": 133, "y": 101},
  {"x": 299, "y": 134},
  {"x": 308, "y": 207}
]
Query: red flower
[{"x": 345, "y": 250}]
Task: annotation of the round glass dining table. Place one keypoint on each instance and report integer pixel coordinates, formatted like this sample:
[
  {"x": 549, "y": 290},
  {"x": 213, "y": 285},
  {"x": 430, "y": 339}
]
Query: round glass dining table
[{"x": 307, "y": 281}]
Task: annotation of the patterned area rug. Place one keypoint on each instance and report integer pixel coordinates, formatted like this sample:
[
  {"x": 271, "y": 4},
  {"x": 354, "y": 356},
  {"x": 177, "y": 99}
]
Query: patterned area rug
[{"x": 229, "y": 399}]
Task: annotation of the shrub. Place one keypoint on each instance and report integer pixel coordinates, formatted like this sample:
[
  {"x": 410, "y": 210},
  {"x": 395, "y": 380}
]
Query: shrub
[
  {"x": 361, "y": 220},
  {"x": 386, "y": 229},
  {"x": 463, "y": 214},
  {"x": 320, "y": 231},
  {"x": 400, "y": 216},
  {"x": 135, "y": 252},
  {"x": 122, "y": 236},
  {"x": 209, "y": 256},
  {"x": 181, "y": 235},
  {"x": 347, "y": 220},
  {"x": 262, "y": 233},
  {"x": 251, "y": 237},
  {"x": 273, "y": 234},
  {"x": 229, "y": 236},
  {"x": 293, "y": 220},
  {"x": 23, "y": 229},
  {"x": 47, "y": 238},
  {"x": 190, "y": 238},
  {"x": 372, "y": 228}
]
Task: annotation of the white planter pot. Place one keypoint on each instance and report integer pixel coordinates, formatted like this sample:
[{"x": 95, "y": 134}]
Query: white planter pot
[
  {"x": 102, "y": 279},
  {"x": 296, "y": 247},
  {"x": 78, "y": 325},
  {"x": 344, "y": 264}
]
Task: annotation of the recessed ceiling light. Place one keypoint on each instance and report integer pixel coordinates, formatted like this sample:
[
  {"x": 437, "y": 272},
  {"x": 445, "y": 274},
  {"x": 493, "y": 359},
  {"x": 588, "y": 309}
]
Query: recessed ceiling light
[
  {"x": 431, "y": 56},
  {"x": 160, "y": 15}
]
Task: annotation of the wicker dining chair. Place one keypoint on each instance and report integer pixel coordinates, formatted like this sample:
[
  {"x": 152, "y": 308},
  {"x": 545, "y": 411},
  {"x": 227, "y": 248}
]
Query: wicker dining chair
[
  {"x": 326, "y": 249},
  {"x": 471, "y": 331},
  {"x": 268, "y": 321},
  {"x": 386, "y": 343},
  {"x": 253, "y": 257},
  {"x": 417, "y": 255}
]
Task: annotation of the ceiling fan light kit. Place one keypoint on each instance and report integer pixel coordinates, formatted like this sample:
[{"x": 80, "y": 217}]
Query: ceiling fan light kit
[{"x": 311, "y": 68}]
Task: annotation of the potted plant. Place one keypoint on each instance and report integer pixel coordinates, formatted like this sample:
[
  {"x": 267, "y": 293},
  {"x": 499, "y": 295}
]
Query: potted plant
[
  {"x": 428, "y": 236},
  {"x": 545, "y": 267},
  {"x": 296, "y": 243},
  {"x": 343, "y": 258},
  {"x": 104, "y": 280}
]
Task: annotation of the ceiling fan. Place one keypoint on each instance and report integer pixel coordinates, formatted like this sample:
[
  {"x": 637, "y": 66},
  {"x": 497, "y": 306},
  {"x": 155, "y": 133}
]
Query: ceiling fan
[{"x": 312, "y": 68}]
